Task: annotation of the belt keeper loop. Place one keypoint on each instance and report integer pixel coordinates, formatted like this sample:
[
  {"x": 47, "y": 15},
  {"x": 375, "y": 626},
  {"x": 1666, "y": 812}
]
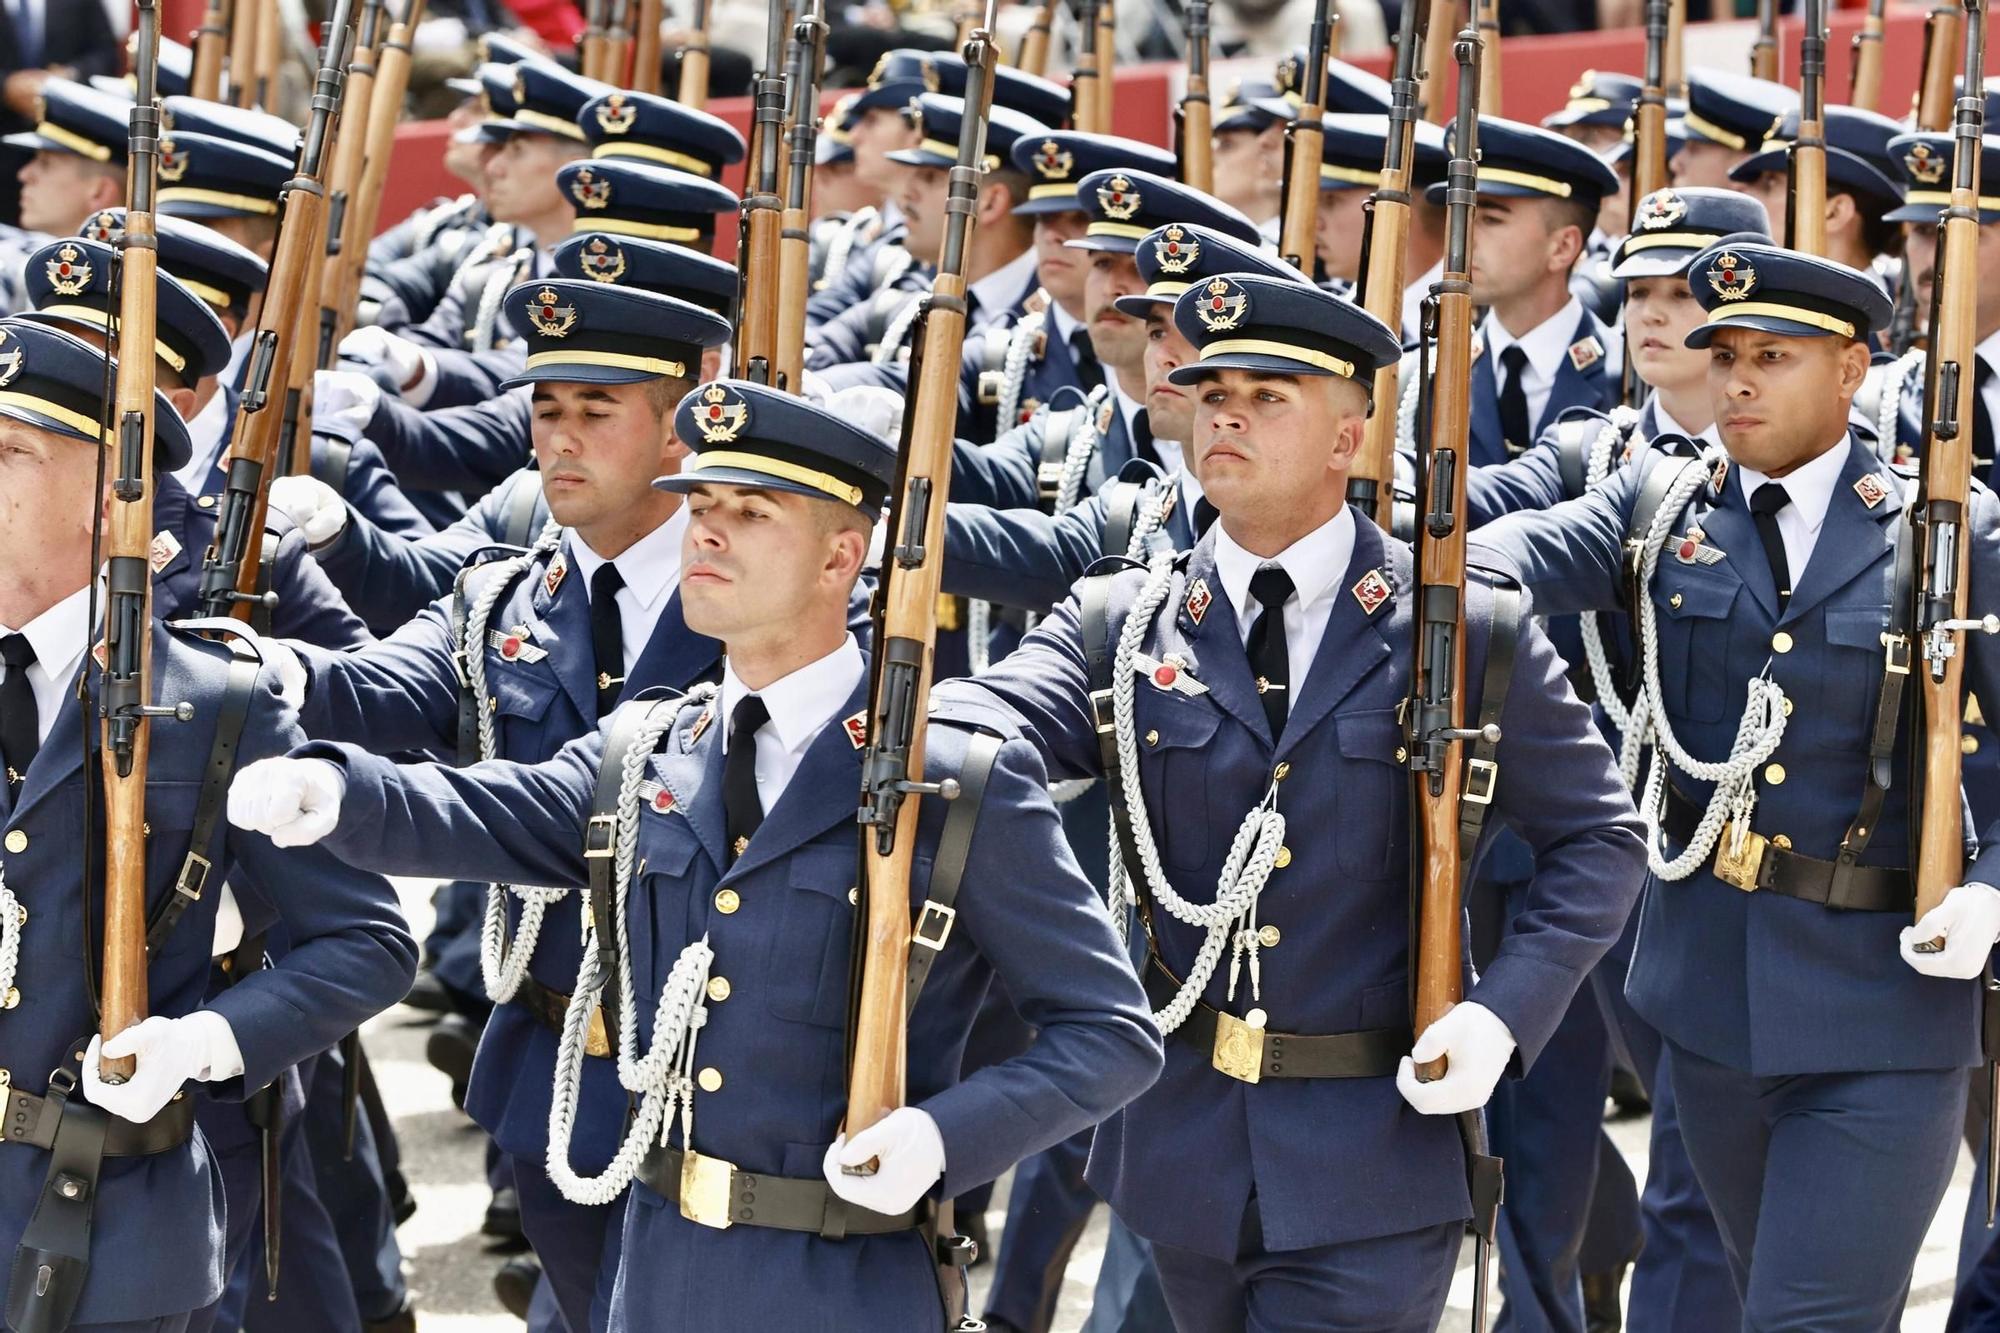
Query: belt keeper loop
[{"x": 833, "y": 1220}]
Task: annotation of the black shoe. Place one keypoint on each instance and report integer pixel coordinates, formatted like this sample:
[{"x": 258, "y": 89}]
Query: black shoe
[
  {"x": 403, "y": 1321},
  {"x": 514, "y": 1283},
  {"x": 429, "y": 994},
  {"x": 450, "y": 1048},
  {"x": 1601, "y": 1313},
  {"x": 1628, "y": 1094},
  {"x": 502, "y": 1224}
]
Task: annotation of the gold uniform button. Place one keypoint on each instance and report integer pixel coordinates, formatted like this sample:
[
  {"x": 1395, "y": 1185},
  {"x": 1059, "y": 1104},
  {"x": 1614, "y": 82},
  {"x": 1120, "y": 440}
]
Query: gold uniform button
[
  {"x": 17, "y": 841},
  {"x": 1968, "y": 745},
  {"x": 11, "y": 998},
  {"x": 727, "y": 901},
  {"x": 1281, "y": 772},
  {"x": 1283, "y": 858},
  {"x": 718, "y": 989},
  {"x": 1774, "y": 773},
  {"x": 1268, "y": 936},
  {"x": 1675, "y": 601},
  {"x": 206, "y": 502},
  {"x": 1781, "y": 642},
  {"x": 710, "y": 1079},
  {"x": 1788, "y": 706},
  {"x": 1152, "y": 738},
  {"x": 1781, "y": 842}
]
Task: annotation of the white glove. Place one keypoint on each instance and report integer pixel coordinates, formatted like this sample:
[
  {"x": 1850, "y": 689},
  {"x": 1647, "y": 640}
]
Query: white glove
[
  {"x": 812, "y": 387},
  {"x": 291, "y": 673},
  {"x": 910, "y": 1151},
  {"x": 871, "y": 407},
  {"x": 314, "y": 507},
  {"x": 345, "y": 401},
  {"x": 1476, "y": 1046},
  {"x": 1969, "y": 920},
  {"x": 170, "y": 1051},
  {"x": 296, "y": 802},
  {"x": 378, "y": 347}
]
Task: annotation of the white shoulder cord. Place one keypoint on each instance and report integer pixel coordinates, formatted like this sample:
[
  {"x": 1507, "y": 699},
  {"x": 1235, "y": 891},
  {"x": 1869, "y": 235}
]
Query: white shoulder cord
[
  {"x": 892, "y": 262},
  {"x": 1014, "y": 372},
  {"x": 504, "y": 275},
  {"x": 841, "y": 246},
  {"x": 503, "y": 965},
  {"x": 1887, "y": 409},
  {"x": 1596, "y": 467},
  {"x": 1757, "y": 735},
  {"x": 1232, "y": 917},
  {"x": 12, "y": 916},
  {"x": 662, "y": 1079},
  {"x": 889, "y": 351},
  {"x": 1406, "y": 412}
]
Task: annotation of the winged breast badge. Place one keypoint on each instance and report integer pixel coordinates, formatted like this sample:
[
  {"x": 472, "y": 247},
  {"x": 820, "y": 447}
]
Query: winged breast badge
[{"x": 550, "y": 319}]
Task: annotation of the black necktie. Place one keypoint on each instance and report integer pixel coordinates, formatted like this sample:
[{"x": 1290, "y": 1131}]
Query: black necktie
[
  {"x": 1269, "y": 662},
  {"x": 1514, "y": 400},
  {"x": 607, "y": 635},
  {"x": 1204, "y": 517},
  {"x": 1764, "y": 507},
  {"x": 1982, "y": 420},
  {"x": 1142, "y": 439},
  {"x": 20, "y": 728},
  {"x": 1085, "y": 358},
  {"x": 742, "y": 809}
]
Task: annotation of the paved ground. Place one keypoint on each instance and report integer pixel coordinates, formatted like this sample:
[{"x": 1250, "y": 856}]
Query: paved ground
[{"x": 453, "y": 1272}]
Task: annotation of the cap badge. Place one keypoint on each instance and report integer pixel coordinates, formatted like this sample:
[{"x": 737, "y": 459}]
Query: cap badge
[
  {"x": 12, "y": 359},
  {"x": 69, "y": 272},
  {"x": 1052, "y": 162},
  {"x": 1371, "y": 591},
  {"x": 590, "y": 190},
  {"x": 105, "y": 226},
  {"x": 722, "y": 415},
  {"x": 173, "y": 161},
  {"x": 602, "y": 260},
  {"x": 1925, "y": 164},
  {"x": 520, "y": 86},
  {"x": 551, "y": 320},
  {"x": 881, "y": 68},
  {"x": 1871, "y": 489},
  {"x": 1176, "y": 251},
  {"x": 1222, "y": 306},
  {"x": 1581, "y": 88},
  {"x": 1199, "y": 599},
  {"x": 615, "y": 115},
  {"x": 1731, "y": 277},
  {"x": 1286, "y": 76},
  {"x": 930, "y": 72},
  {"x": 913, "y": 116},
  {"x": 1661, "y": 209},
  {"x": 1118, "y": 199}
]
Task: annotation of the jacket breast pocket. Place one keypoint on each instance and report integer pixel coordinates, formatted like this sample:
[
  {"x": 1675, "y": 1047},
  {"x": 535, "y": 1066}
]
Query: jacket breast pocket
[
  {"x": 1368, "y": 819},
  {"x": 1849, "y": 680},
  {"x": 805, "y": 976},
  {"x": 1174, "y": 737},
  {"x": 1693, "y": 611},
  {"x": 519, "y": 693},
  {"x": 663, "y": 901}
]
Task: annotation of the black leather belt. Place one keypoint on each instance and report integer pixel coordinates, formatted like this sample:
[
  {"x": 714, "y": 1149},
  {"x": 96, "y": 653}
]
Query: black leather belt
[
  {"x": 551, "y": 1007},
  {"x": 1252, "y": 1054},
  {"x": 714, "y": 1193},
  {"x": 28, "y": 1122},
  {"x": 1762, "y": 864}
]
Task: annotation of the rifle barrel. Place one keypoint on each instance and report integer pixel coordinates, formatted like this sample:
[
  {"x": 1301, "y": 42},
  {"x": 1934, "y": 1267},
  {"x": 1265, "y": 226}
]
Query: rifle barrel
[
  {"x": 1805, "y": 222},
  {"x": 1197, "y": 121},
  {"x": 1305, "y": 143}
]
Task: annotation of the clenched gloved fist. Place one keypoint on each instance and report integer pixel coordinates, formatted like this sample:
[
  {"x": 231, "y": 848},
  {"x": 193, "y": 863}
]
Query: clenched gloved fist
[
  {"x": 379, "y": 347},
  {"x": 294, "y": 802},
  {"x": 314, "y": 507},
  {"x": 1476, "y": 1046},
  {"x": 910, "y": 1153},
  {"x": 1968, "y": 920},
  {"x": 345, "y": 401},
  {"x": 170, "y": 1051}
]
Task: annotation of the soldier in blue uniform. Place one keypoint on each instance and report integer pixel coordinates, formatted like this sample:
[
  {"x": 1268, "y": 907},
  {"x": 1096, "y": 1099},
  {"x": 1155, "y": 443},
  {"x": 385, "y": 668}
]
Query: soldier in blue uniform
[
  {"x": 154, "y": 1242},
  {"x": 742, "y": 914},
  {"x": 216, "y": 168},
  {"x": 78, "y": 163},
  {"x": 1729, "y": 117},
  {"x": 1272, "y": 1231},
  {"x": 1351, "y": 149},
  {"x": 1818, "y": 1076},
  {"x": 590, "y": 615},
  {"x": 1860, "y": 187}
]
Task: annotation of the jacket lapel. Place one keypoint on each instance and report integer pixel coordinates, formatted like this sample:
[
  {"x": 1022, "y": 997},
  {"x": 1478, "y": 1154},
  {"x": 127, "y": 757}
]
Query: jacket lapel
[
  {"x": 563, "y": 628},
  {"x": 822, "y": 793},
  {"x": 1485, "y": 445},
  {"x": 1854, "y": 536},
  {"x": 1216, "y": 641},
  {"x": 1572, "y": 387},
  {"x": 1728, "y": 526},
  {"x": 1354, "y": 644},
  {"x": 675, "y": 656},
  {"x": 689, "y": 764}
]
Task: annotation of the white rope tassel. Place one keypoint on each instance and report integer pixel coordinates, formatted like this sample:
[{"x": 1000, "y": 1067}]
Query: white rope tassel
[
  {"x": 1597, "y": 466},
  {"x": 1894, "y": 376},
  {"x": 1406, "y": 413},
  {"x": 889, "y": 351},
  {"x": 1014, "y": 372},
  {"x": 503, "y": 965},
  {"x": 498, "y": 283},
  {"x": 1757, "y": 735},
  {"x": 1252, "y": 854},
  {"x": 11, "y": 913}
]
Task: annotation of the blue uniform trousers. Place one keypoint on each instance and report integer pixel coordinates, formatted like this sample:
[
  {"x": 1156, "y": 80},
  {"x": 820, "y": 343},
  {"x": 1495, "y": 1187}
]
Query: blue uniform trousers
[
  {"x": 1823, "y": 1184},
  {"x": 1385, "y": 1284},
  {"x": 1047, "y": 1209},
  {"x": 1128, "y": 1298},
  {"x": 578, "y": 1246},
  {"x": 314, "y": 1291}
]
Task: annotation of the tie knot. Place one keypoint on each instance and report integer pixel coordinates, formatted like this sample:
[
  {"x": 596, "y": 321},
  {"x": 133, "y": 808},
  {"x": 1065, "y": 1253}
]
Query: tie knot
[
  {"x": 747, "y": 718},
  {"x": 1769, "y": 499},
  {"x": 17, "y": 652},
  {"x": 1271, "y": 586},
  {"x": 606, "y": 582},
  {"x": 1514, "y": 357}
]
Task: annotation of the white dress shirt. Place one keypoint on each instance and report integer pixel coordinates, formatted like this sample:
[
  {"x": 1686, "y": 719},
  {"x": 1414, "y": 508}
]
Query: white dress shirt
[
  {"x": 1668, "y": 426},
  {"x": 1316, "y": 563},
  {"x": 206, "y": 433},
  {"x": 801, "y": 706},
  {"x": 993, "y": 296},
  {"x": 1546, "y": 345},
  {"x": 1810, "y": 485},
  {"x": 651, "y": 568}
]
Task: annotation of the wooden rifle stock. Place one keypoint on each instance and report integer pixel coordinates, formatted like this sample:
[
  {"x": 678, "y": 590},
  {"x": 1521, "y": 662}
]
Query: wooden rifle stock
[
  {"x": 1764, "y": 51},
  {"x": 1864, "y": 90},
  {"x": 1946, "y": 484},
  {"x": 1196, "y": 117},
  {"x": 1107, "y": 64},
  {"x": 249, "y": 16},
  {"x": 229, "y": 571},
  {"x": 595, "y": 44},
  {"x": 1675, "y": 70},
  {"x": 694, "y": 61},
  {"x": 1805, "y": 215},
  {"x": 795, "y": 233},
  {"x": 1487, "y": 13},
  {"x": 127, "y": 680},
  {"x": 1649, "y": 156},
  {"x": 1086, "y": 110},
  {"x": 1941, "y": 48},
  {"x": 1305, "y": 143},
  {"x": 350, "y": 153},
  {"x": 1034, "y": 56},
  {"x": 763, "y": 207},
  {"x": 646, "y": 47},
  {"x": 270, "y": 55},
  {"x": 1437, "y": 691},
  {"x": 211, "y": 48},
  {"x": 906, "y": 632},
  {"x": 1385, "y": 264},
  {"x": 618, "y": 43},
  {"x": 1438, "y": 59},
  {"x": 364, "y": 208}
]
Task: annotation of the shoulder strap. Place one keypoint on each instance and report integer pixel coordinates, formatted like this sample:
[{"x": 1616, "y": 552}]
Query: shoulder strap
[
  {"x": 332, "y": 460},
  {"x": 1573, "y": 438},
  {"x": 1093, "y": 594},
  {"x": 935, "y": 918},
  {"x": 230, "y": 718},
  {"x": 1888, "y": 710},
  {"x": 1482, "y": 770},
  {"x": 1058, "y": 428},
  {"x": 517, "y": 527},
  {"x": 1653, "y": 488},
  {"x": 1121, "y": 512}
]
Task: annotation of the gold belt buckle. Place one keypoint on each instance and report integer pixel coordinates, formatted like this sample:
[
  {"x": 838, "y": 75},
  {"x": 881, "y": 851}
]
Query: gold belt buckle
[
  {"x": 1239, "y": 1046},
  {"x": 705, "y": 1189},
  {"x": 1738, "y": 866}
]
